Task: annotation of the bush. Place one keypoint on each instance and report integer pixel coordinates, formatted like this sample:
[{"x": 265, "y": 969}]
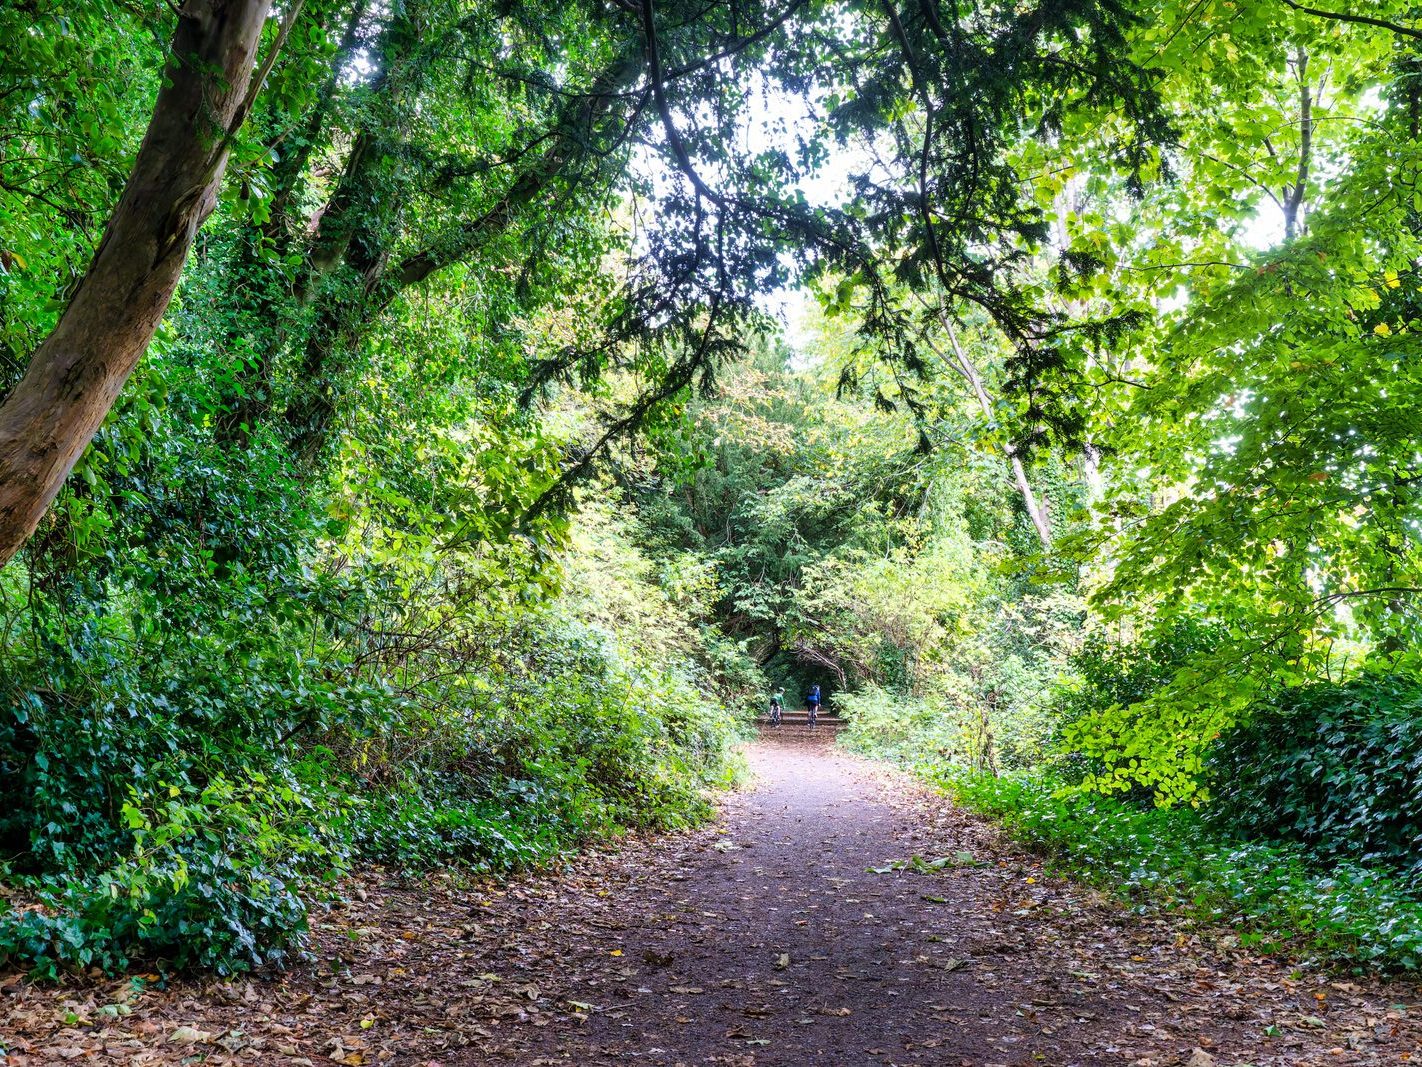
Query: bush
[
  {"x": 1172, "y": 858},
  {"x": 170, "y": 796},
  {"x": 1104, "y": 673},
  {"x": 423, "y": 827},
  {"x": 912, "y": 730},
  {"x": 1112, "y": 733},
  {"x": 1336, "y": 768},
  {"x": 210, "y": 881},
  {"x": 898, "y": 727}
]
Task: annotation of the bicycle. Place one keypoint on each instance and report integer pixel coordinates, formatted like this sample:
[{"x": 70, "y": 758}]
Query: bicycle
[
  {"x": 775, "y": 710},
  {"x": 812, "y": 714}
]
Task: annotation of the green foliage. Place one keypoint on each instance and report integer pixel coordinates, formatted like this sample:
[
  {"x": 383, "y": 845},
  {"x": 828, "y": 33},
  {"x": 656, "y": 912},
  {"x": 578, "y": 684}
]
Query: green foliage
[
  {"x": 177, "y": 782},
  {"x": 210, "y": 880},
  {"x": 1110, "y": 734},
  {"x": 76, "y": 87},
  {"x": 1173, "y": 859},
  {"x": 1333, "y": 767},
  {"x": 562, "y": 738},
  {"x": 901, "y": 728},
  {"x": 1105, "y": 672},
  {"x": 1258, "y": 479}
]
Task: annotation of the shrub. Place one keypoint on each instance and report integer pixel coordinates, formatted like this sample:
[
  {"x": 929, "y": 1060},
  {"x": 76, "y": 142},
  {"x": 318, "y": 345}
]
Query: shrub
[
  {"x": 1104, "y": 672},
  {"x": 170, "y": 797},
  {"x": 895, "y": 726},
  {"x": 210, "y": 881},
  {"x": 1336, "y": 768},
  {"x": 1113, "y": 734},
  {"x": 422, "y": 827}
]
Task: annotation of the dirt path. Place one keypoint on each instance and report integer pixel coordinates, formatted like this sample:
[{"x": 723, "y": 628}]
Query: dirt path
[{"x": 764, "y": 940}]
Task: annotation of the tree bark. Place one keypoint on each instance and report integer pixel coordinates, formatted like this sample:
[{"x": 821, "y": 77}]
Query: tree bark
[
  {"x": 77, "y": 372},
  {"x": 1295, "y": 194}
]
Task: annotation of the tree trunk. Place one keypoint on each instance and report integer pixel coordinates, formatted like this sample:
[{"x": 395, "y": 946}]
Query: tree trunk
[
  {"x": 75, "y": 375},
  {"x": 1036, "y": 510},
  {"x": 1294, "y": 195}
]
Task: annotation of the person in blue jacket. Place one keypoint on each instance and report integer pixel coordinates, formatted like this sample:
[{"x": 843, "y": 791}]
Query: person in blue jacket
[{"x": 812, "y": 703}]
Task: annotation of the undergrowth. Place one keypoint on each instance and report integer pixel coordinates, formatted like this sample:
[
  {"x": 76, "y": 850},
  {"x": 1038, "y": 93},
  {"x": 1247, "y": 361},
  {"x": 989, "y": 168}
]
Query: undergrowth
[
  {"x": 173, "y": 796},
  {"x": 1174, "y": 859}
]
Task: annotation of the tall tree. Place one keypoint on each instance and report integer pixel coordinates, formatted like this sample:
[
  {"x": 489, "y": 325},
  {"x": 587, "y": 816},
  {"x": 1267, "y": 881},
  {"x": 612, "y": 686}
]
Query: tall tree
[{"x": 76, "y": 373}]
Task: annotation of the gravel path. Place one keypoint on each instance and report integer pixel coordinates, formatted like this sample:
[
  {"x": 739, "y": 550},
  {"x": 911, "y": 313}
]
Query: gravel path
[{"x": 777, "y": 942}]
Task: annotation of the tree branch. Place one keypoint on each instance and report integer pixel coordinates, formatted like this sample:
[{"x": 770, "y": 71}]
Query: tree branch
[
  {"x": 659, "y": 94},
  {"x": 1363, "y": 20}
]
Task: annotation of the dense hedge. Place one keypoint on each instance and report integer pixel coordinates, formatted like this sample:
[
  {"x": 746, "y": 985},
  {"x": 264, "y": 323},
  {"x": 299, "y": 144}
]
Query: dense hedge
[
  {"x": 1335, "y": 768},
  {"x": 175, "y": 797},
  {"x": 1308, "y": 837}
]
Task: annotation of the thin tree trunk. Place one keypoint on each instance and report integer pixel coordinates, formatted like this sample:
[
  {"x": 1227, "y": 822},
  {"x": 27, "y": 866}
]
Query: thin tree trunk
[
  {"x": 1035, "y": 509},
  {"x": 76, "y": 373},
  {"x": 249, "y": 397},
  {"x": 296, "y": 152},
  {"x": 1295, "y": 194}
]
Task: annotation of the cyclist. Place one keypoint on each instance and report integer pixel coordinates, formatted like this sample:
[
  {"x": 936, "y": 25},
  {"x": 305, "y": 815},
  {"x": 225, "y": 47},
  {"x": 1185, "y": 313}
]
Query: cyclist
[
  {"x": 812, "y": 705},
  {"x": 777, "y": 705}
]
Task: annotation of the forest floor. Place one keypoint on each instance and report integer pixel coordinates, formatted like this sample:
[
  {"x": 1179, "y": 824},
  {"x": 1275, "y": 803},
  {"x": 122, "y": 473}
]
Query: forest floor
[{"x": 763, "y": 939}]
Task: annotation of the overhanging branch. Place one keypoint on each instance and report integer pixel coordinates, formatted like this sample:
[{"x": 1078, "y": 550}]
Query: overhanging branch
[{"x": 1362, "y": 20}]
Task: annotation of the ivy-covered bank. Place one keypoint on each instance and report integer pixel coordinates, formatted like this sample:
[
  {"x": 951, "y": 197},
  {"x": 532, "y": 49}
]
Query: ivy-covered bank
[
  {"x": 1307, "y": 842},
  {"x": 179, "y": 803},
  {"x": 1274, "y": 895}
]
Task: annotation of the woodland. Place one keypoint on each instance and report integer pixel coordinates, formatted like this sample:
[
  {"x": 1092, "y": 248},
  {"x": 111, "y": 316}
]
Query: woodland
[{"x": 430, "y": 430}]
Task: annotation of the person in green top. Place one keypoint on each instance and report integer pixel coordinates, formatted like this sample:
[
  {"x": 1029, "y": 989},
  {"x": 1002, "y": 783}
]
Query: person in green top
[{"x": 777, "y": 705}]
